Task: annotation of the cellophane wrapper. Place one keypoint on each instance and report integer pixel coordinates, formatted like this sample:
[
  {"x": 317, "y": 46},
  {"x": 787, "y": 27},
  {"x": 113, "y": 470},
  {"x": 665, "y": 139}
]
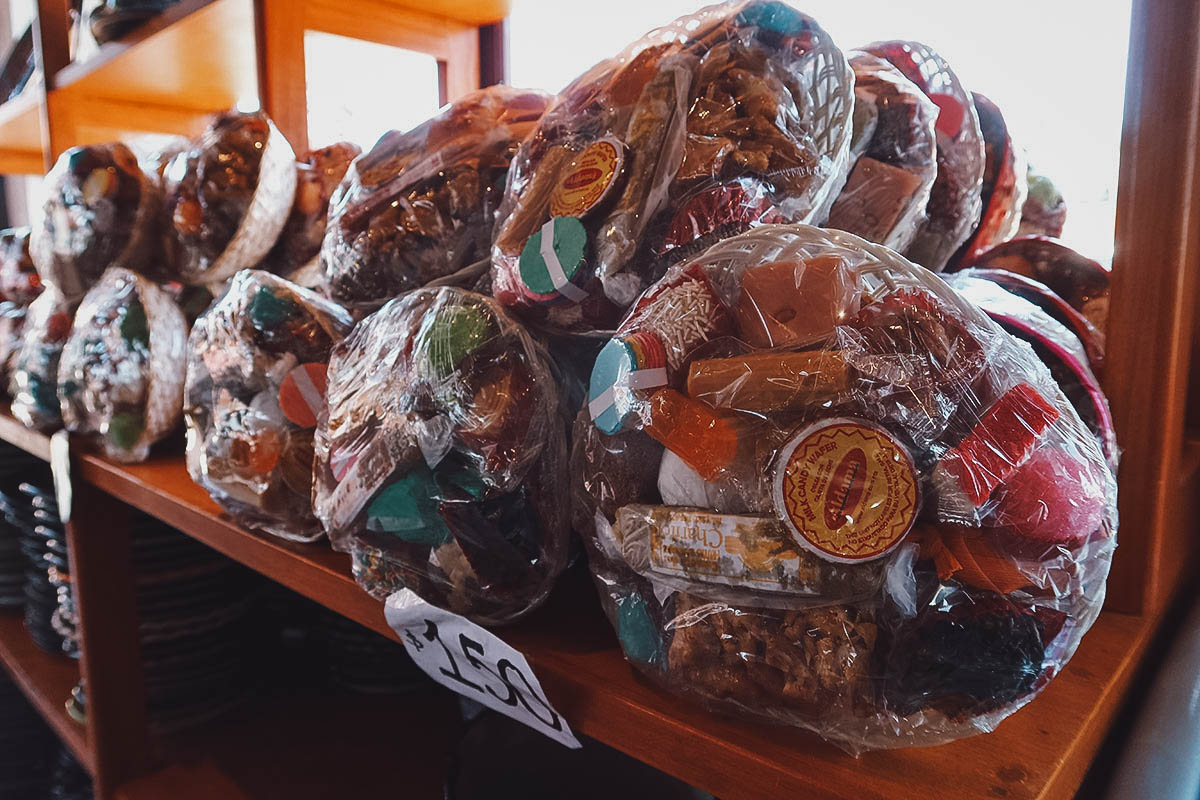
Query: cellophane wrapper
[
  {"x": 20, "y": 285},
  {"x": 893, "y": 156},
  {"x": 419, "y": 206},
  {"x": 441, "y": 456},
  {"x": 120, "y": 376},
  {"x": 228, "y": 197},
  {"x": 737, "y": 115},
  {"x": 820, "y": 488},
  {"x": 33, "y": 384},
  {"x": 100, "y": 209},
  {"x": 955, "y": 202},
  {"x": 318, "y": 174},
  {"x": 257, "y": 360}
]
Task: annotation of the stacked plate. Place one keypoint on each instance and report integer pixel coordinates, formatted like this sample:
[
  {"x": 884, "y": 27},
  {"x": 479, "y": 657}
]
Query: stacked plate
[
  {"x": 363, "y": 662},
  {"x": 69, "y": 781},
  {"x": 49, "y": 603},
  {"x": 192, "y": 605},
  {"x": 26, "y": 746},
  {"x": 15, "y": 466}
]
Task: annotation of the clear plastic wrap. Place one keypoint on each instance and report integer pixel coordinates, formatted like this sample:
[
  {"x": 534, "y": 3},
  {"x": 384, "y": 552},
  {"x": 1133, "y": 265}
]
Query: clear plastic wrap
[
  {"x": 420, "y": 205},
  {"x": 955, "y": 202},
  {"x": 441, "y": 454},
  {"x": 894, "y": 155},
  {"x": 100, "y": 209},
  {"x": 1080, "y": 281},
  {"x": 1044, "y": 212},
  {"x": 33, "y": 384},
  {"x": 257, "y": 361},
  {"x": 1059, "y": 348},
  {"x": 820, "y": 487},
  {"x": 1004, "y": 185},
  {"x": 120, "y": 376},
  {"x": 318, "y": 174},
  {"x": 739, "y": 114},
  {"x": 20, "y": 283},
  {"x": 228, "y": 197}
]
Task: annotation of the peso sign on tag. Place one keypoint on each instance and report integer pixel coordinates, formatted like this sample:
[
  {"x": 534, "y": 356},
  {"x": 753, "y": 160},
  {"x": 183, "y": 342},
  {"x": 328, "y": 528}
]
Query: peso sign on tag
[{"x": 469, "y": 660}]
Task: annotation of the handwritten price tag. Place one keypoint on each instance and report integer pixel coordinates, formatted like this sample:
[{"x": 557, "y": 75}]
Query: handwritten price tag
[{"x": 475, "y": 663}]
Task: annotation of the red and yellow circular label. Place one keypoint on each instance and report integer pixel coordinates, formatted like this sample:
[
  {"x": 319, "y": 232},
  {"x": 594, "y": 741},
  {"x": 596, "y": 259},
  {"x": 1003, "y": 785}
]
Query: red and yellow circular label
[
  {"x": 587, "y": 179},
  {"x": 847, "y": 490}
]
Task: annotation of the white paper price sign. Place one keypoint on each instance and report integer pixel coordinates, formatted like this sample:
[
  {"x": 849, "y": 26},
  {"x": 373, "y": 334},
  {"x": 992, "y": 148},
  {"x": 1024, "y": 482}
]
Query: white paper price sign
[{"x": 469, "y": 660}]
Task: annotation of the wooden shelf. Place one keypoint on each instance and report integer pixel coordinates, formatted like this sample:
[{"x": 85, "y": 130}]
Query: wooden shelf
[
  {"x": 311, "y": 747},
  {"x": 21, "y": 134},
  {"x": 46, "y": 679},
  {"x": 1043, "y": 751},
  {"x": 166, "y": 77}
]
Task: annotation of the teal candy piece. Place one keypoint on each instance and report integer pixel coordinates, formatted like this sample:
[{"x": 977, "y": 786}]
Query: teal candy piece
[
  {"x": 269, "y": 311},
  {"x": 408, "y": 509},
  {"x": 774, "y": 16},
  {"x": 125, "y": 428},
  {"x": 570, "y": 242},
  {"x": 452, "y": 334},
  {"x": 613, "y": 365},
  {"x": 640, "y": 638},
  {"x": 452, "y": 475},
  {"x": 134, "y": 327}
]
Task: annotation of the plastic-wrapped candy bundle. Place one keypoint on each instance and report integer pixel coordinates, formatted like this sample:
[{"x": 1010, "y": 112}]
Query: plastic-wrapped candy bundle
[
  {"x": 120, "y": 377},
  {"x": 954, "y": 202},
  {"x": 20, "y": 285},
  {"x": 1044, "y": 212},
  {"x": 894, "y": 154},
  {"x": 255, "y": 385},
  {"x": 737, "y": 115},
  {"x": 228, "y": 197},
  {"x": 441, "y": 457},
  {"x": 1077, "y": 279},
  {"x": 318, "y": 174},
  {"x": 33, "y": 383},
  {"x": 1002, "y": 194},
  {"x": 419, "y": 206},
  {"x": 100, "y": 209},
  {"x": 819, "y": 487}
]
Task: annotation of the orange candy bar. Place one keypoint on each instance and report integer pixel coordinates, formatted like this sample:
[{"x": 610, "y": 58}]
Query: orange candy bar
[
  {"x": 769, "y": 381},
  {"x": 964, "y": 554},
  {"x": 706, "y": 441},
  {"x": 794, "y": 302}
]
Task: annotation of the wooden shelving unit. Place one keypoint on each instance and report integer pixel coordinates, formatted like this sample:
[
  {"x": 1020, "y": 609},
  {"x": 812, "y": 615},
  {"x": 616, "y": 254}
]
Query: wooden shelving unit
[
  {"x": 1042, "y": 751},
  {"x": 47, "y": 680}
]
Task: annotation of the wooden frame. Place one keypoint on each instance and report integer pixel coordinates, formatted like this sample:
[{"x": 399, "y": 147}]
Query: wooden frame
[{"x": 1043, "y": 751}]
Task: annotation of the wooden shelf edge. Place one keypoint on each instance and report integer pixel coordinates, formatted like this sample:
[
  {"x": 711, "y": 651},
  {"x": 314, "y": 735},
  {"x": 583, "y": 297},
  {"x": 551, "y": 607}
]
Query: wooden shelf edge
[
  {"x": 574, "y": 653},
  {"x": 31, "y": 441},
  {"x": 45, "y": 679},
  {"x": 110, "y": 51}
]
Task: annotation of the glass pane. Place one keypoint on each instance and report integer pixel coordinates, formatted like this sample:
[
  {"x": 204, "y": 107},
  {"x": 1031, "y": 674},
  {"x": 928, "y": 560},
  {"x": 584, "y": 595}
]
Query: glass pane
[
  {"x": 1070, "y": 130},
  {"x": 395, "y": 88}
]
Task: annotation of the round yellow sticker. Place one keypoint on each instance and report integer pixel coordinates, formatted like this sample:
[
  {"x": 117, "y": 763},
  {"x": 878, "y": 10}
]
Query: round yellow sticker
[
  {"x": 587, "y": 179},
  {"x": 847, "y": 490}
]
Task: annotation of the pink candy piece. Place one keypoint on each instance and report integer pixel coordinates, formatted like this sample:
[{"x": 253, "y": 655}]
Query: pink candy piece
[{"x": 1053, "y": 498}]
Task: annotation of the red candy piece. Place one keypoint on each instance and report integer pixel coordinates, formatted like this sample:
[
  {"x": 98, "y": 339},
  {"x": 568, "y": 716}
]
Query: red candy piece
[
  {"x": 1003, "y": 439},
  {"x": 1053, "y": 498},
  {"x": 951, "y": 114},
  {"x": 302, "y": 394}
]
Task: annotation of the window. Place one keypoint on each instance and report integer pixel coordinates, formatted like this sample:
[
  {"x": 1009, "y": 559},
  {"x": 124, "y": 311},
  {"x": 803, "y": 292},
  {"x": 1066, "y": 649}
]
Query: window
[{"x": 1056, "y": 69}]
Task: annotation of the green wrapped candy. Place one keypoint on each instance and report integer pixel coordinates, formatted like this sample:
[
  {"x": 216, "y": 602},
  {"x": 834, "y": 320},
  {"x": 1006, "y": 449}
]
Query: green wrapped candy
[
  {"x": 451, "y": 335},
  {"x": 409, "y": 510},
  {"x": 639, "y": 635},
  {"x": 125, "y": 428}
]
